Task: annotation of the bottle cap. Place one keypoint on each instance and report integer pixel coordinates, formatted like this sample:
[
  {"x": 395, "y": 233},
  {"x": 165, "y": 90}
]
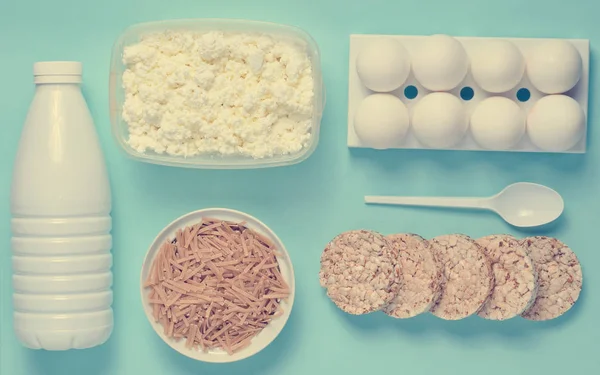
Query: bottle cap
[{"x": 57, "y": 68}]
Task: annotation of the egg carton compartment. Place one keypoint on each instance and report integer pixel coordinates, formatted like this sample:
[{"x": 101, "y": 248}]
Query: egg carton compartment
[{"x": 468, "y": 93}]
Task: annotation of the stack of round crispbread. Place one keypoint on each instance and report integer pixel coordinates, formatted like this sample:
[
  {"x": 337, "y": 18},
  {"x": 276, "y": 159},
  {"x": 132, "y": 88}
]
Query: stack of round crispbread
[{"x": 496, "y": 277}]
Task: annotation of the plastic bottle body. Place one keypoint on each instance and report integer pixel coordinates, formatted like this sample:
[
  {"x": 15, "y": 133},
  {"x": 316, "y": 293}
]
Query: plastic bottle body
[{"x": 61, "y": 226}]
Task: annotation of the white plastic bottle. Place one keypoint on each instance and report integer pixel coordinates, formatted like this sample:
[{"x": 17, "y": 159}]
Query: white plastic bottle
[{"x": 61, "y": 222}]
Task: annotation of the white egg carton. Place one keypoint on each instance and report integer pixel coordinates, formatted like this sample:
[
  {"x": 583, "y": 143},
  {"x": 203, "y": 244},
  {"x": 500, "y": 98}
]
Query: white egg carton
[{"x": 358, "y": 91}]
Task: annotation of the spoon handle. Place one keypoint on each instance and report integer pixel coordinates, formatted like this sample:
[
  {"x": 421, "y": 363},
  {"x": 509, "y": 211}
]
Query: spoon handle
[{"x": 477, "y": 203}]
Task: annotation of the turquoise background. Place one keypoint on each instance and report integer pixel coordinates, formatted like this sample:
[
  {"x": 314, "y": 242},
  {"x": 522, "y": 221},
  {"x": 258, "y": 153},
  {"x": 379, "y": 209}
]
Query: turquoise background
[{"x": 308, "y": 204}]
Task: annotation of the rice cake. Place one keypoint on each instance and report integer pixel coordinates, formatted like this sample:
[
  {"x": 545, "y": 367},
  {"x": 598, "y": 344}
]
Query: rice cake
[
  {"x": 420, "y": 277},
  {"x": 559, "y": 278},
  {"x": 514, "y": 277},
  {"x": 467, "y": 276},
  {"x": 359, "y": 270}
]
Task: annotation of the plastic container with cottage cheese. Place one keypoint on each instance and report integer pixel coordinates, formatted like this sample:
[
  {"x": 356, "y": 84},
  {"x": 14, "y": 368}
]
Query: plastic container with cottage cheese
[{"x": 133, "y": 34}]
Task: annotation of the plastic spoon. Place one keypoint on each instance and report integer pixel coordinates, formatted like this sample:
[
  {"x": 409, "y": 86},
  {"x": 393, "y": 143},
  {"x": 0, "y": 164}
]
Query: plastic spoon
[{"x": 522, "y": 204}]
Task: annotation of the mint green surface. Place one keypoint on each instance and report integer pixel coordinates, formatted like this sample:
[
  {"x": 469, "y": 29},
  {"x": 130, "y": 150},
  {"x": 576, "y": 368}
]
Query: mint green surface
[{"x": 308, "y": 204}]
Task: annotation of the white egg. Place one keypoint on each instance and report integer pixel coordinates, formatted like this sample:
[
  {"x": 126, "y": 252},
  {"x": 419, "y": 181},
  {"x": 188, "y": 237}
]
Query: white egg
[
  {"x": 554, "y": 67},
  {"x": 440, "y": 63},
  {"x": 497, "y": 123},
  {"x": 556, "y": 123},
  {"x": 439, "y": 120},
  {"x": 497, "y": 66},
  {"x": 381, "y": 121},
  {"x": 384, "y": 65}
]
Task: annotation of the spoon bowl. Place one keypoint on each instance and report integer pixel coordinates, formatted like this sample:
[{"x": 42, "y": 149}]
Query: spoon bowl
[{"x": 526, "y": 204}]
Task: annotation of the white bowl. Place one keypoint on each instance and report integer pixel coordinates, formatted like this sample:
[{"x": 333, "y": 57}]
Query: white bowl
[{"x": 269, "y": 333}]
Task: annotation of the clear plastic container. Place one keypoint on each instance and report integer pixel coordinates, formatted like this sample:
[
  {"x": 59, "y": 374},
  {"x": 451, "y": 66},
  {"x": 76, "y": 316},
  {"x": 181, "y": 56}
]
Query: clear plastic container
[{"x": 116, "y": 93}]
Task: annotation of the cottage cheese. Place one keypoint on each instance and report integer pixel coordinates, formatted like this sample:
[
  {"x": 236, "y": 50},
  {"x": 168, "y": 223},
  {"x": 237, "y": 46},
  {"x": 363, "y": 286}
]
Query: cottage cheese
[{"x": 192, "y": 93}]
